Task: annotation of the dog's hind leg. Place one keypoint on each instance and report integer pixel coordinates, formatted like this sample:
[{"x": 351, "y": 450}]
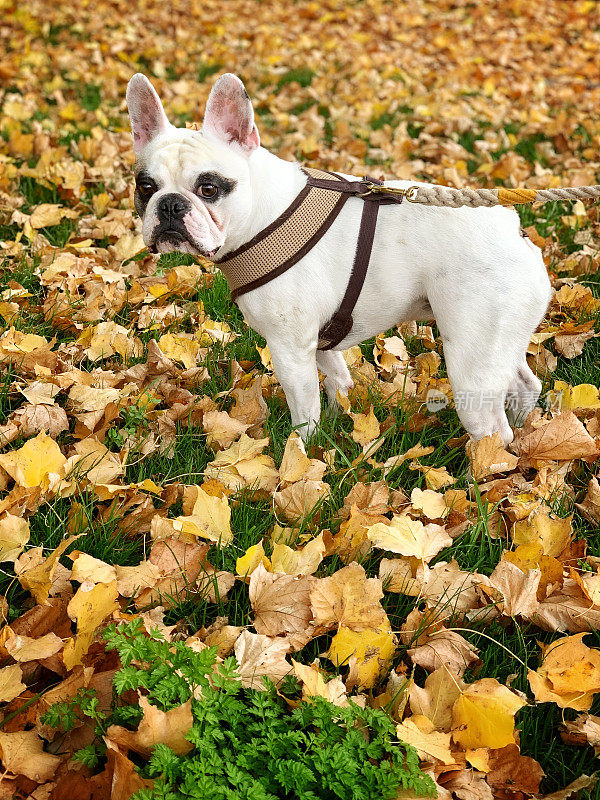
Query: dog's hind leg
[
  {"x": 479, "y": 386},
  {"x": 336, "y": 373},
  {"x": 523, "y": 393}
]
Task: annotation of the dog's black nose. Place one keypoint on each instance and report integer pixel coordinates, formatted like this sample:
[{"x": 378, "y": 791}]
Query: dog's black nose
[{"x": 172, "y": 206}]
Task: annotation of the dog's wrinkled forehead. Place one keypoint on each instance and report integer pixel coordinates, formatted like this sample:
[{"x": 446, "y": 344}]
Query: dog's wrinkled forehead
[{"x": 178, "y": 156}]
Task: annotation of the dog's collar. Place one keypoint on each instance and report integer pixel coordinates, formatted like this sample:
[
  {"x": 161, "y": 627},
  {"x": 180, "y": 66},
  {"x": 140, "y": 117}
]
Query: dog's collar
[{"x": 295, "y": 232}]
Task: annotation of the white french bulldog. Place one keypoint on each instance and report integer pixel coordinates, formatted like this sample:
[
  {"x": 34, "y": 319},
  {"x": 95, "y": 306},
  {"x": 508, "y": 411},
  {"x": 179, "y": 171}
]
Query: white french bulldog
[{"x": 208, "y": 192}]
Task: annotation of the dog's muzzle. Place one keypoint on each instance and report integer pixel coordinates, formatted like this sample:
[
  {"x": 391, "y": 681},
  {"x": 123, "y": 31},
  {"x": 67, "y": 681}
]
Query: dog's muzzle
[{"x": 171, "y": 210}]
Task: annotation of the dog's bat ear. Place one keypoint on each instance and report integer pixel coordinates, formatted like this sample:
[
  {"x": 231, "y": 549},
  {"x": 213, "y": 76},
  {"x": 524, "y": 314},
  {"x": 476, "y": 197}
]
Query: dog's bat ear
[
  {"x": 146, "y": 113},
  {"x": 229, "y": 115}
]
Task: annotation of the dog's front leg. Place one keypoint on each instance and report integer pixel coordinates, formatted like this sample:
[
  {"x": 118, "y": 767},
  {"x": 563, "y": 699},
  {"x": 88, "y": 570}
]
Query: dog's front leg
[{"x": 296, "y": 369}]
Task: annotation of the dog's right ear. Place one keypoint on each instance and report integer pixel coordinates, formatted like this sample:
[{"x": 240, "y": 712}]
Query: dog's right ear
[{"x": 146, "y": 113}]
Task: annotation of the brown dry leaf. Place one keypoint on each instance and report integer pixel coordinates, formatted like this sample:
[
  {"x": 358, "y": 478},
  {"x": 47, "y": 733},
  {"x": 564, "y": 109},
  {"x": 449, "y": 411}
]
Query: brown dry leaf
[
  {"x": 432, "y": 646},
  {"x": 250, "y": 407},
  {"x": 573, "y": 789},
  {"x": 22, "y": 753},
  {"x": 567, "y": 612},
  {"x": 432, "y": 746},
  {"x": 590, "y": 505},
  {"x": 369, "y": 498},
  {"x": 399, "y": 575},
  {"x": 429, "y": 503},
  {"x": 222, "y": 429},
  {"x": 95, "y": 462},
  {"x": 281, "y": 605},
  {"x": 296, "y": 465},
  {"x": 88, "y": 568},
  {"x": 351, "y": 542},
  {"x": 561, "y": 438},
  {"x": 366, "y": 425},
  {"x": 11, "y": 684},
  {"x": 488, "y": 457},
  {"x": 435, "y": 477},
  {"x": 180, "y": 347},
  {"x": 409, "y": 537},
  {"x": 436, "y": 699},
  {"x": 38, "y": 578},
  {"x": 89, "y": 607},
  {"x": 584, "y": 728},
  {"x": 347, "y": 598},
  {"x": 260, "y": 656},
  {"x": 469, "y": 785},
  {"x": 47, "y": 214},
  {"x": 512, "y": 772},
  {"x": 126, "y": 780},
  {"x": 301, "y": 499},
  {"x": 513, "y": 591},
  {"x": 180, "y": 564},
  {"x": 14, "y": 535},
  {"x": 569, "y": 674},
  {"x": 447, "y": 586},
  {"x": 24, "y": 648},
  {"x": 243, "y": 465},
  {"x": 156, "y": 726},
  {"x": 209, "y": 517},
  {"x": 132, "y": 580}
]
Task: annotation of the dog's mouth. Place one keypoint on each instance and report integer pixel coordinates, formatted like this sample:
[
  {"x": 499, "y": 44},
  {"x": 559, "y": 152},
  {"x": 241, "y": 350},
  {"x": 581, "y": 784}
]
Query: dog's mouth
[{"x": 165, "y": 240}]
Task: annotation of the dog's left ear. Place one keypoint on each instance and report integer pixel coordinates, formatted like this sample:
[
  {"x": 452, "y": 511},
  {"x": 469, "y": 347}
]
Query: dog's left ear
[{"x": 229, "y": 115}]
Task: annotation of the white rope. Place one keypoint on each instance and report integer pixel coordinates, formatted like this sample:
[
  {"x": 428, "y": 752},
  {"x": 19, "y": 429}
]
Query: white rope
[{"x": 446, "y": 196}]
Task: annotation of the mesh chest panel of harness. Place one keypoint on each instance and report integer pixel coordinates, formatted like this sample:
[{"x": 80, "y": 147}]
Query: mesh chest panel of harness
[{"x": 295, "y": 232}]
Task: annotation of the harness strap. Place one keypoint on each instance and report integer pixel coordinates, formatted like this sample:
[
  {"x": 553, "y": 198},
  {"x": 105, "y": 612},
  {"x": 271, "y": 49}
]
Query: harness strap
[
  {"x": 286, "y": 240},
  {"x": 340, "y": 325}
]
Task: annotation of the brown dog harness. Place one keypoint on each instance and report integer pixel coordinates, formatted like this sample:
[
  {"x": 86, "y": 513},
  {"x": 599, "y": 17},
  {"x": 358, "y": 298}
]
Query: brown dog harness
[{"x": 295, "y": 232}]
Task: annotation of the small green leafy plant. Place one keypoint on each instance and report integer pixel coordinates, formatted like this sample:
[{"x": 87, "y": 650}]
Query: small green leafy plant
[{"x": 248, "y": 745}]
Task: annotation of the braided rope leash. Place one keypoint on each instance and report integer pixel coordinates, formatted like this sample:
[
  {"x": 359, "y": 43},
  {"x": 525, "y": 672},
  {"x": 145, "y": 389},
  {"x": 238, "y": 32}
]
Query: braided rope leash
[{"x": 454, "y": 198}]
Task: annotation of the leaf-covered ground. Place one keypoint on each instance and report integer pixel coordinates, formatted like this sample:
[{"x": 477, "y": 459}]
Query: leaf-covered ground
[{"x": 147, "y": 461}]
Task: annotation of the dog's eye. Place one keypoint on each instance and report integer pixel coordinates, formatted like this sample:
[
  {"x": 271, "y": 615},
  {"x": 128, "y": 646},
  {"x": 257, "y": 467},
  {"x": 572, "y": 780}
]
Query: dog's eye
[
  {"x": 146, "y": 188},
  {"x": 208, "y": 190}
]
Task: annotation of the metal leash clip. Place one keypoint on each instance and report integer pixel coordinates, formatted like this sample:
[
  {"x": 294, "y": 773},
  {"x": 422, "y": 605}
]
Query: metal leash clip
[{"x": 410, "y": 193}]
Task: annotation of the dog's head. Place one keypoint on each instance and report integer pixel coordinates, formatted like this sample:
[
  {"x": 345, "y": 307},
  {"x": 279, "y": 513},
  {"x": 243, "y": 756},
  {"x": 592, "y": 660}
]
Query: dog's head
[{"x": 191, "y": 186}]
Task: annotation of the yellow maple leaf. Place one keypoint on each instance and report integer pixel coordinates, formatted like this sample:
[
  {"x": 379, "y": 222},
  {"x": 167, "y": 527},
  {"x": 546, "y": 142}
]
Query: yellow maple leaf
[
  {"x": 14, "y": 535},
  {"x": 584, "y": 395},
  {"x": 180, "y": 348},
  {"x": 38, "y": 579},
  {"x": 298, "y": 562},
  {"x": 35, "y": 462},
  {"x": 483, "y": 715},
  {"x": 89, "y": 607},
  {"x": 569, "y": 674},
  {"x": 540, "y": 527},
  {"x": 210, "y": 518},
  {"x": 254, "y": 555},
  {"x": 368, "y": 653}
]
